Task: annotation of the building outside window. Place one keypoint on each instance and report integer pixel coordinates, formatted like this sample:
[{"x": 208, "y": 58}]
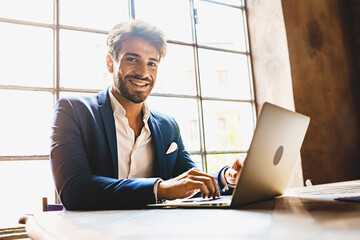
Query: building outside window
[{"x": 51, "y": 49}]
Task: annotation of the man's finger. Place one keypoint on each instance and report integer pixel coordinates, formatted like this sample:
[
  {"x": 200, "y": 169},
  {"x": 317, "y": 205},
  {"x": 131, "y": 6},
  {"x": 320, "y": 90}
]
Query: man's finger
[
  {"x": 233, "y": 173},
  {"x": 213, "y": 186},
  {"x": 194, "y": 185},
  {"x": 210, "y": 184},
  {"x": 217, "y": 190},
  {"x": 237, "y": 165}
]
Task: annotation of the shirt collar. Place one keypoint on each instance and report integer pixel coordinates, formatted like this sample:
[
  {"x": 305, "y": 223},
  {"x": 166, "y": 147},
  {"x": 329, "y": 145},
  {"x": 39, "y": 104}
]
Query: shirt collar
[{"x": 117, "y": 107}]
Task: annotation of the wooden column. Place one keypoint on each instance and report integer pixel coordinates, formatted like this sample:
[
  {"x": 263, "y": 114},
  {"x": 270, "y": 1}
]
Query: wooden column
[{"x": 323, "y": 72}]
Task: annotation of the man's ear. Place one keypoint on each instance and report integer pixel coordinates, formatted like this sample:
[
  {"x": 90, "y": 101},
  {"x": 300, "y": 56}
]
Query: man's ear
[{"x": 109, "y": 63}]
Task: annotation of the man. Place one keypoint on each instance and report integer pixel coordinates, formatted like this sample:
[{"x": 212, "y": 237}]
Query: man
[{"x": 109, "y": 151}]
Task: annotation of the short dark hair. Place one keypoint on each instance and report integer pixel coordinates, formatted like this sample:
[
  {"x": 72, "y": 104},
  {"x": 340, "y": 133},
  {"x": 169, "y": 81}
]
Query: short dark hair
[{"x": 135, "y": 28}]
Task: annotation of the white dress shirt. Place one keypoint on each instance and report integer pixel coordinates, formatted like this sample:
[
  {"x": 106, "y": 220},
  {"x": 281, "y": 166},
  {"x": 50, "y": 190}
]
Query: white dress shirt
[{"x": 135, "y": 156}]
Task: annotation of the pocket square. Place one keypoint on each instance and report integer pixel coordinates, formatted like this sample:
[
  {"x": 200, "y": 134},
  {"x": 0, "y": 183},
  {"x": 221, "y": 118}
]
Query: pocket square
[{"x": 172, "y": 148}]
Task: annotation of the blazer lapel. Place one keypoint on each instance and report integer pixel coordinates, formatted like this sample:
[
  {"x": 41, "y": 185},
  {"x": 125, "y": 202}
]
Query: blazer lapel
[
  {"x": 160, "y": 167},
  {"x": 109, "y": 125}
]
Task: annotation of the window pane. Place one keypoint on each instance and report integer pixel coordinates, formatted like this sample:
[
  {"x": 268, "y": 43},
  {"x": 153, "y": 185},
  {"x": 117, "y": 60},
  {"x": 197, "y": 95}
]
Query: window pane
[
  {"x": 74, "y": 94},
  {"x": 23, "y": 184},
  {"x": 93, "y": 14},
  {"x": 224, "y": 75},
  {"x": 25, "y": 122},
  {"x": 197, "y": 161},
  {"x": 34, "y": 10},
  {"x": 176, "y": 72},
  {"x": 83, "y": 60},
  {"x": 216, "y": 161},
  {"x": 220, "y": 26},
  {"x": 185, "y": 113},
  {"x": 173, "y": 17},
  {"x": 26, "y": 55},
  {"x": 228, "y": 125}
]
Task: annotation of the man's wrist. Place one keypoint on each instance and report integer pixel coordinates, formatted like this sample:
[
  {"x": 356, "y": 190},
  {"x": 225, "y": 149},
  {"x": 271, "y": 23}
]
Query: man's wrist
[{"x": 158, "y": 197}]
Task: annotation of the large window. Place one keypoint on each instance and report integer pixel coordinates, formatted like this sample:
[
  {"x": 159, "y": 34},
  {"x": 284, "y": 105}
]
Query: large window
[{"x": 57, "y": 48}]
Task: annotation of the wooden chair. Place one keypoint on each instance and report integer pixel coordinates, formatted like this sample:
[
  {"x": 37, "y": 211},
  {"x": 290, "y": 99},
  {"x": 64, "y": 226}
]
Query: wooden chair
[{"x": 51, "y": 207}]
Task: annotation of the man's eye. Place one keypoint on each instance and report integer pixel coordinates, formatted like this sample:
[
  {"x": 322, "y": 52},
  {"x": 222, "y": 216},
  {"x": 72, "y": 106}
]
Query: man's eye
[
  {"x": 130, "y": 59},
  {"x": 151, "y": 64}
]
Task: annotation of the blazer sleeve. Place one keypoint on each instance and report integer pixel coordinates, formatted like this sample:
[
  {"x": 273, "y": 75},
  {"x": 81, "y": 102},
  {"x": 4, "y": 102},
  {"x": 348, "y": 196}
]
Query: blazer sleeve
[{"x": 76, "y": 183}]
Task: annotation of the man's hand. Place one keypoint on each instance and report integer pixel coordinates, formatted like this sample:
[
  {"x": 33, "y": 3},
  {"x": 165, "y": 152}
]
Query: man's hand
[
  {"x": 232, "y": 174},
  {"x": 187, "y": 184}
]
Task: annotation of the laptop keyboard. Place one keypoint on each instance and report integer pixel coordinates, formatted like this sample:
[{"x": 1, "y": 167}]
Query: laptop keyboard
[{"x": 200, "y": 199}]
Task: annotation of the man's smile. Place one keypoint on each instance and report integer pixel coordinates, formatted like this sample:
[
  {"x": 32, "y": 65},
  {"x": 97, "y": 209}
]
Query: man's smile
[{"x": 138, "y": 82}]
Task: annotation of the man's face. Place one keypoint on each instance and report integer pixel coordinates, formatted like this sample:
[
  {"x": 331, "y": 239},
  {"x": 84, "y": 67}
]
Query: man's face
[{"x": 135, "y": 70}]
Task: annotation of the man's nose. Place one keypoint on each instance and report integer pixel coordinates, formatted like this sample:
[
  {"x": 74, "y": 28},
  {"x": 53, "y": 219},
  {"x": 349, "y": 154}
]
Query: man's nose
[{"x": 142, "y": 70}]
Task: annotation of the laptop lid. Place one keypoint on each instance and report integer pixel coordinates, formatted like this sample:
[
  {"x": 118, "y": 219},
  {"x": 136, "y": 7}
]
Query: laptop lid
[{"x": 272, "y": 155}]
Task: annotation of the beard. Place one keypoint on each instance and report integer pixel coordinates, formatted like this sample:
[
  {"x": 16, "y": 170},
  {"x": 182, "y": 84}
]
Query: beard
[{"x": 133, "y": 96}]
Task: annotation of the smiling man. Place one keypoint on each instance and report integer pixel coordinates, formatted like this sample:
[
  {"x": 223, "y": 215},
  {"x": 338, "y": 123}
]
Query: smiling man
[{"x": 109, "y": 151}]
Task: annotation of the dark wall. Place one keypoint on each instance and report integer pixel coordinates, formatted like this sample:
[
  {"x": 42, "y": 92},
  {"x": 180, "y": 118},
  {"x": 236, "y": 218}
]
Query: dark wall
[{"x": 323, "y": 48}]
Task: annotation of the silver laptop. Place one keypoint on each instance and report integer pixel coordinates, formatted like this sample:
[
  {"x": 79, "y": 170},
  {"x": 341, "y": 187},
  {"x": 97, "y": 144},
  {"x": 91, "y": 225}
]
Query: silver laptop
[{"x": 273, "y": 152}]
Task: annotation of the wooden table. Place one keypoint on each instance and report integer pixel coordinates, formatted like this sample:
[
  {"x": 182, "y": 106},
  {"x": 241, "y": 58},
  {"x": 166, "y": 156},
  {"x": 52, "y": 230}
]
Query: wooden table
[{"x": 302, "y": 213}]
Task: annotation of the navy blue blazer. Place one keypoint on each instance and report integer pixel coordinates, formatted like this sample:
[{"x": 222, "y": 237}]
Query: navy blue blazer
[{"x": 84, "y": 155}]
